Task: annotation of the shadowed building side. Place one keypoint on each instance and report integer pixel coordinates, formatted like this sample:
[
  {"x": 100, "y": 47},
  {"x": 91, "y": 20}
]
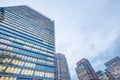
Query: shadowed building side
[{"x": 62, "y": 70}]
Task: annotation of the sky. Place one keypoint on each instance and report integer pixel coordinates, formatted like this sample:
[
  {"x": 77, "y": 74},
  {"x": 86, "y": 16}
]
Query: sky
[{"x": 83, "y": 28}]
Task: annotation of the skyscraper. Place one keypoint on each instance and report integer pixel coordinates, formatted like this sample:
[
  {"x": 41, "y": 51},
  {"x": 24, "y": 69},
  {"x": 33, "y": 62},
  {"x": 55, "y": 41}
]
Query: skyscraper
[
  {"x": 113, "y": 66},
  {"x": 27, "y": 44},
  {"x": 62, "y": 71},
  {"x": 85, "y": 71},
  {"x": 102, "y": 76}
]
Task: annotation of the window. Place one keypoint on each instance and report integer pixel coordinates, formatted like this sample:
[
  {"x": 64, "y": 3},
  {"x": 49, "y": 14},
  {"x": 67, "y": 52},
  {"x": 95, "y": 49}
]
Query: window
[
  {"x": 7, "y": 78},
  {"x": 23, "y": 71},
  {"x": 16, "y": 70},
  {"x": 41, "y": 73},
  {"x": 2, "y": 68},
  {"x": 5, "y": 41},
  {"x": 8, "y": 70},
  {"x": 6, "y": 60},
  {"x": 36, "y": 73},
  {"x": 13, "y": 70}
]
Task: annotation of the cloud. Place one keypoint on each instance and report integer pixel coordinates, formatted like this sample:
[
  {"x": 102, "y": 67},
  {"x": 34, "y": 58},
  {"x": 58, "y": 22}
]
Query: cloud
[
  {"x": 94, "y": 29},
  {"x": 84, "y": 28}
]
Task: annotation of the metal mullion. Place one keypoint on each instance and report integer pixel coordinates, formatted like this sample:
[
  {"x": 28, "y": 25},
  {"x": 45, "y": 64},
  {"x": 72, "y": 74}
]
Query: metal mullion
[
  {"x": 8, "y": 19},
  {"x": 21, "y": 29},
  {"x": 39, "y": 45}
]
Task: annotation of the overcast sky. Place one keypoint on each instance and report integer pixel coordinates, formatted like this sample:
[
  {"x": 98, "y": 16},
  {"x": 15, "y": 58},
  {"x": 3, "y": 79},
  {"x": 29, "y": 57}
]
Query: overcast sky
[{"x": 84, "y": 28}]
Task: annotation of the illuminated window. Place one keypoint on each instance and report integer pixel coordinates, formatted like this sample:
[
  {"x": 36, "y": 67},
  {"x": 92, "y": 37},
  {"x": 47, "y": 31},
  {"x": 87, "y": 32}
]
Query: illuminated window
[
  {"x": 36, "y": 73},
  {"x": 26, "y": 64},
  {"x": 2, "y": 78},
  {"x": 8, "y": 70},
  {"x": 26, "y": 72},
  {"x": 7, "y": 78},
  {"x": 14, "y": 62},
  {"x": 23, "y": 71},
  {"x": 41, "y": 73},
  {"x": 6, "y": 60},
  {"x": 19, "y": 63},
  {"x": 11, "y": 54},
  {"x": 31, "y": 72},
  {"x": 12, "y": 70},
  {"x": 2, "y": 68},
  {"x": 22, "y": 63},
  {"x": 16, "y": 70},
  {"x": 46, "y": 74}
]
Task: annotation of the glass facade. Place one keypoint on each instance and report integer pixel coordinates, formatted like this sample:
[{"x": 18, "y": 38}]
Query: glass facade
[
  {"x": 113, "y": 66},
  {"x": 62, "y": 70},
  {"x": 27, "y": 45},
  {"x": 85, "y": 71},
  {"x": 109, "y": 75},
  {"x": 102, "y": 75}
]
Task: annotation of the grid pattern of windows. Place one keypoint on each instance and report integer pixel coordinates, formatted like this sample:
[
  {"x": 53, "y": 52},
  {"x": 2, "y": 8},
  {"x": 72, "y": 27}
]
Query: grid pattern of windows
[
  {"x": 62, "y": 70},
  {"x": 102, "y": 75},
  {"x": 28, "y": 72},
  {"x": 7, "y": 78},
  {"x": 85, "y": 71},
  {"x": 21, "y": 23},
  {"x": 114, "y": 66},
  {"x": 27, "y": 44}
]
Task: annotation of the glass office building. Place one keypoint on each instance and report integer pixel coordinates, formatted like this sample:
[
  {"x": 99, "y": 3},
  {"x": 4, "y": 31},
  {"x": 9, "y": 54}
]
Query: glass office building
[
  {"x": 102, "y": 76},
  {"x": 85, "y": 71},
  {"x": 27, "y": 44},
  {"x": 62, "y": 70},
  {"x": 113, "y": 66}
]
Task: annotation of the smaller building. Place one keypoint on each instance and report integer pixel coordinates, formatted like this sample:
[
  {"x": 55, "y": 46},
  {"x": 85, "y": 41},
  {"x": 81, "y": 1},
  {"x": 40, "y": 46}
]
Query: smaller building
[
  {"x": 102, "y": 76},
  {"x": 109, "y": 75},
  {"x": 114, "y": 67},
  {"x": 85, "y": 71},
  {"x": 62, "y": 70}
]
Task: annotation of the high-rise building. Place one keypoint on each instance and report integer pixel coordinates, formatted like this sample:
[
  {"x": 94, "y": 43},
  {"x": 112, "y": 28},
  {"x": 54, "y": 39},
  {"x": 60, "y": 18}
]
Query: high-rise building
[
  {"x": 113, "y": 66},
  {"x": 85, "y": 71},
  {"x": 27, "y": 44},
  {"x": 62, "y": 70},
  {"x": 102, "y": 76}
]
